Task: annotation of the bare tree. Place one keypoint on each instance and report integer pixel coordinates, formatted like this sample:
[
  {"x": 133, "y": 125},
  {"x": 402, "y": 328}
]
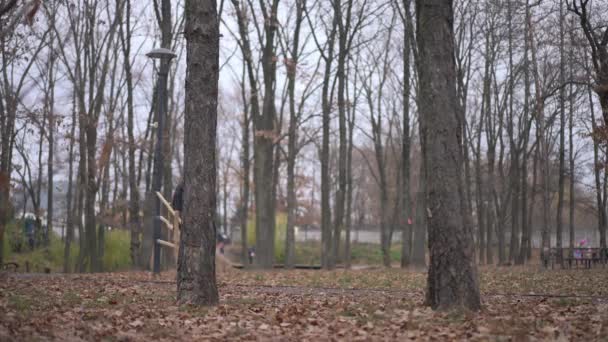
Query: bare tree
[
  {"x": 450, "y": 240},
  {"x": 596, "y": 33},
  {"x": 196, "y": 282}
]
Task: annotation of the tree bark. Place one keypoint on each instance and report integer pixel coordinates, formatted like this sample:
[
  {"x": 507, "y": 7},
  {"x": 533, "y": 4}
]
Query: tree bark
[
  {"x": 450, "y": 240},
  {"x": 196, "y": 281},
  {"x": 420, "y": 224},
  {"x": 69, "y": 236},
  {"x": 326, "y": 231},
  {"x": 562, "y": 136},
  {"x": 292, "y": 69},
  {"x": 245, "y": 169},
  {"x": 134, "y": 223},
  {"x": 50, "y": 105},
  {"x": 526, "y": 228},
  {"x": 571, "y": 156},
  {"x": 406, "y": 243}
]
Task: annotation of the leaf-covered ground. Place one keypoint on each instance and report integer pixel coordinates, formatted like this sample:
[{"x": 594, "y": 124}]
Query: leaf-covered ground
[{"x": 304, "y": 305}]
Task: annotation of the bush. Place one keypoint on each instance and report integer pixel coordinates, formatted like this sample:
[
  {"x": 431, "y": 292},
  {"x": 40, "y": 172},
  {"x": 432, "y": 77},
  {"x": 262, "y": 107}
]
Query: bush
[
  {"x": 6, "y": 247},
  {"x": 14, "y": 241}
]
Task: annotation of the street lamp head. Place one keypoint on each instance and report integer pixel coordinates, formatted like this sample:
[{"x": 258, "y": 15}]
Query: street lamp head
[{"x": 161, "y": 53}]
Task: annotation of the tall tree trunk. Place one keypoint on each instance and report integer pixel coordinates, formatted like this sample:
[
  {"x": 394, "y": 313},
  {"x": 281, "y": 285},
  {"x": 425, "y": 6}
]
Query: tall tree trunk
[
  {"x": 450, "y": 240},
  {"x": 196, "y": 282},
  {"x": 598, "y": 167},
  {"x": 90, "y": 194},
  {"x": 562, "y": 136},
  {"x": 525, "y": 226},
  {"x": 292, "y": 69},
  {"x": 69, "y": 236},
  {"x": 81, "y": 265},
  {"x": 481, "y": 228},
  {"x": 245, "y": 169},
  {"x": 326, "y": 231},
  {"x": 406, "y": 243},
  {"x": 265, "y": 135},
  {"x": 543, "y": 145},
  {"x": 349, "y": 191},
  {"x": 167, "y": 175},
  {"x": 571, "y": 156},
  {"x": 514, "y": 149},
  {"x": 528, "y": 249},
  {"x": 134, "y": 223},
  {"x": 51, "y": 134},
  {"x": 343, "y": 51}
]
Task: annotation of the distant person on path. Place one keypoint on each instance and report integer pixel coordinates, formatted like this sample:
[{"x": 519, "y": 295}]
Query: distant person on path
[
  {"x": 251, "y": 254},
  {"x": 29, "y": 227}
]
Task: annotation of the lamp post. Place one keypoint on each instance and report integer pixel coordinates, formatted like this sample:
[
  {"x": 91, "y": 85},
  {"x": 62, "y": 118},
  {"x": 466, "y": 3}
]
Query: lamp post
[{"x": 164, "y": 56}]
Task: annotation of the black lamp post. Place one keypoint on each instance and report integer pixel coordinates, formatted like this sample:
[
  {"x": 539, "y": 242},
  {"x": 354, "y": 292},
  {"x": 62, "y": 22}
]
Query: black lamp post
[{"x": 165, "y": 56}]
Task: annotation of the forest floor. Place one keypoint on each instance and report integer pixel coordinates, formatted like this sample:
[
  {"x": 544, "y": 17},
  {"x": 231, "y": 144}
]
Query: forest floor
[{"x": 375, "y": 304}]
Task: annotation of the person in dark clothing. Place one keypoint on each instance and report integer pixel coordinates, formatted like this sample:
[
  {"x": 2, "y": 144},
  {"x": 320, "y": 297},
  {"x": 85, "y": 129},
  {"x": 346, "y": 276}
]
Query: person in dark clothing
[
  {"x": 178, "y": 197},
  {"x": 251, "y": 254},
  {"x": 29, "y": 228}
]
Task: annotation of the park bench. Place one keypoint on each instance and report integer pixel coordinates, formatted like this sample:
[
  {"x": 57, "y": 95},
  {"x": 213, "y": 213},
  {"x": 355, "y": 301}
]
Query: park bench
[{"x": 577, "y": 257}]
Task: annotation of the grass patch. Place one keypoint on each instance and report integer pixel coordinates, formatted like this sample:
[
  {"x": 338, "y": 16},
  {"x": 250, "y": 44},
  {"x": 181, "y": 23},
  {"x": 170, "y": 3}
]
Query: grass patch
[
  {"x": 309, "y": 253},
  {"x": 71, "y": 298},
  {"x": 19, "y": 303},
  {"x": 117, "y": 254},
  {"x": 116, "y": 251}
]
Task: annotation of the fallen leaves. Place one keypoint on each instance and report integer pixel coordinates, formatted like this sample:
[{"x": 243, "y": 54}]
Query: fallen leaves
[{"x": 302, "y": 305}]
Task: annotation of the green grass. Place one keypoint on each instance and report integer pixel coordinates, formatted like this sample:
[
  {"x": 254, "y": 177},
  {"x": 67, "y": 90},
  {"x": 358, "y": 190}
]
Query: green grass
[
  {"x": 117, "y": 255},
  {"x": 367, "y": 253},
  {"x": 279, "y": 236},
  {"x": 116, "y": 251},
  {"x": 309, "y": 253}
]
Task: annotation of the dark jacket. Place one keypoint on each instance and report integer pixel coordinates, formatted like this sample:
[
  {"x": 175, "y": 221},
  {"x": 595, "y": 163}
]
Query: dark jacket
[{"x": 178, "y": 198}]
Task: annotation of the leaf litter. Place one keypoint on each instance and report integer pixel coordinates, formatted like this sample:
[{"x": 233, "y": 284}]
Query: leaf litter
[{"x": 364, "y": 305}]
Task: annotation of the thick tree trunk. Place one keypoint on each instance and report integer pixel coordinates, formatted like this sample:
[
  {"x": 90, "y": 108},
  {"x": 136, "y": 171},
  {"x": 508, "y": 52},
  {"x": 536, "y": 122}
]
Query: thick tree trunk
[
  {"x": 265, "y": 135},
  {"x": 196, "y": 282},
  {"x": 601, "y": 212},
  {"x": 450, "y": 240}
]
